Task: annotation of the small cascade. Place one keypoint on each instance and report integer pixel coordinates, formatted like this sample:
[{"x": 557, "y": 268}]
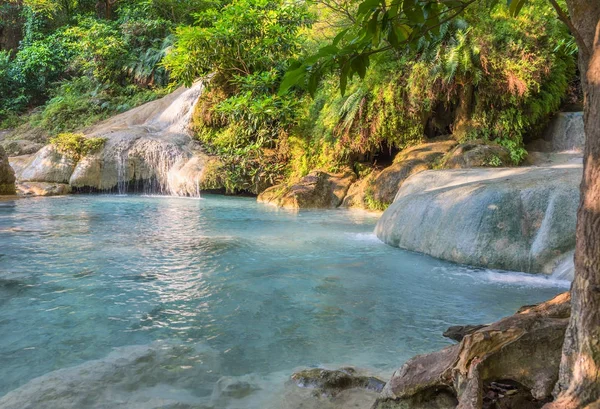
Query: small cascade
[
  {"x": 176, "y": 117},
  {"x": 565, "y": 270},
  {"x": 161, "y": 160},
  {"x": 122, "y": 181}
]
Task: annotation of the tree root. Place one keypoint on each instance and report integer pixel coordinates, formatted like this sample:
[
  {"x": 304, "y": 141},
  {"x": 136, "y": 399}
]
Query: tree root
[{"x": 523, "y": 349}]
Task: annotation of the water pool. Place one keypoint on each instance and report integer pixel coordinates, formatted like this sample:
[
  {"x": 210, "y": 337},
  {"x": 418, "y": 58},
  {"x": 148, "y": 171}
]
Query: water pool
[{"x": 194, "y": 291}]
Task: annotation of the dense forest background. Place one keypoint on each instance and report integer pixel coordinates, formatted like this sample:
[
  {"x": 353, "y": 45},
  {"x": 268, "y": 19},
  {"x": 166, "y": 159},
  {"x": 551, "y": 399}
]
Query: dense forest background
[{"x": 66, "y": 64}]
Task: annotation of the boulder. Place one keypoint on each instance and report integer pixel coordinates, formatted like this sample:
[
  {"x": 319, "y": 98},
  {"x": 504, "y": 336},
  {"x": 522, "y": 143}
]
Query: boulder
[
  {"x": 523, "y": 351},
  {"x": 406, "y": 163},
  {"x": 318, "y": 189},
  {"x": 328, "y": 382},
  {"x": 7, "y": 175},
  {"x": 360, "y": 193},
  {"x": 48, "y": 165},
  {"x": 520, "y": 219},
  {"x": 476, "y": 153}
]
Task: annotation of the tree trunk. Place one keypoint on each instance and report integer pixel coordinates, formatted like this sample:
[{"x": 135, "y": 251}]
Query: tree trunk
[
  {"x": 461, "y": 125},
  {"x": 579, "y": 379}
]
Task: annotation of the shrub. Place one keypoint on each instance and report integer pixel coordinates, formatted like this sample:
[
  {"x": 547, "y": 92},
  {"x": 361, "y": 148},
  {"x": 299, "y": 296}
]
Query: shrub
[{"x": 76, "y": 145}]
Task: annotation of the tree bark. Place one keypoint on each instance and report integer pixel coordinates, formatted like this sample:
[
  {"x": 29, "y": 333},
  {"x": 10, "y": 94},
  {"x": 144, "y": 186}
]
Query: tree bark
[{"x": 579, "y": 378}]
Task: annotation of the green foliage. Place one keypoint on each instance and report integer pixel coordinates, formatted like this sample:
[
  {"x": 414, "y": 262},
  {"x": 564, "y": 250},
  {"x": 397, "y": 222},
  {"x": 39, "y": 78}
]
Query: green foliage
[
  {"x": 488, "y": 76},
  {"x": 245, "y": 46},
  {"x": 242, "y": 38},
  {"x": 372, "y": 203},
  {"x": 76, "y": 145},
  {"x": 113, "y": 59}
]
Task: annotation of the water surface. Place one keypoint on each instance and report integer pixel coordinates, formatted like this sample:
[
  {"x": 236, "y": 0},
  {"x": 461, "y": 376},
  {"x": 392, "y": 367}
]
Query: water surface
[{"x": 265, "y": 290}]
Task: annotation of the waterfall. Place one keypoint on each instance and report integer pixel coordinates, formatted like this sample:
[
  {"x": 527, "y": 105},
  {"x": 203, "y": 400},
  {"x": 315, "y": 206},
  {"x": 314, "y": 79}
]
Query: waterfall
[{"x": 148, "y": 145}]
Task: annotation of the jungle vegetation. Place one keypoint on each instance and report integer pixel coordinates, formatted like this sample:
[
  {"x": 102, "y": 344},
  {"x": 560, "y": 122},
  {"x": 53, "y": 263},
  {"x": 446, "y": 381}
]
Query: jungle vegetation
[{"x": 482, "y": 75}]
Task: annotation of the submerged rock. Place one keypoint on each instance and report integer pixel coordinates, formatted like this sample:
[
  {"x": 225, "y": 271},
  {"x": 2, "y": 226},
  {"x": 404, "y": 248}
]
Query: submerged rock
[
  {"x": 159, "y": 375},
  {"x": 7, "y": 175},
  {"x": 43, "y": 189},
  {"x": 329, "y": 382},
  {"x": 523, "y": 349},
  {"x": 520, "y": 219},
  {"x": 318, "y": 189}
]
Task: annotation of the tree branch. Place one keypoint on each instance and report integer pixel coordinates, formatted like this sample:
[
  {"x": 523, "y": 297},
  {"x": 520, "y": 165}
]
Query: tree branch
[{"x": 564, "y": 17}]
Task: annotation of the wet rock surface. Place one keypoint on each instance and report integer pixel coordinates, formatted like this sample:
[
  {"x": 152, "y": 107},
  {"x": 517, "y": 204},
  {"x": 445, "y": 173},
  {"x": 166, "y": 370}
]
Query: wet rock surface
[{"x": 519, "y": 219}]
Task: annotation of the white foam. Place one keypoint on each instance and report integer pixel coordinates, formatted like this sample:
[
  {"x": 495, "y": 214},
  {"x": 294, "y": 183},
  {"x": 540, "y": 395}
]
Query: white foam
[
  {"x": 368, "y": 237},
  {"x": 524, "y": 279}
]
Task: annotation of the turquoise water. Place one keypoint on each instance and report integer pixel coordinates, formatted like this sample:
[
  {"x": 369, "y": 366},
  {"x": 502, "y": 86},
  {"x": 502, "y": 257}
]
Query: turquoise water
[{"x": 264, "y": 290}]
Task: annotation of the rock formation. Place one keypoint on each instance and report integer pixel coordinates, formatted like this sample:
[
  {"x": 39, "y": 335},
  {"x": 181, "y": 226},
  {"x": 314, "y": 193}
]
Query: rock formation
[
  {"x": 520, "y": 219},
  {"x": 7, "y": 175},
  {"x": 520, "y": 353},
  {"x": 318, "y": 189},
  {"x": 124, "y": 378},
  {"x": 565, "y": 132},
  {"x": 380, "y": 188},
  {"x": 148, "y": 150},
  {"x": 475, "y": 154}
]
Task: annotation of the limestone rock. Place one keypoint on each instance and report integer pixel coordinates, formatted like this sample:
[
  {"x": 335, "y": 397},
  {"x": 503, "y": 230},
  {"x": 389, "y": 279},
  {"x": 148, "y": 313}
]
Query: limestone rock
[
  {"x": 520, "y": 219},
  {"x": 476, "y": 154},
  {"x": 331, "y": 382},
  {"x": 148, "y": 149},
  {"x": 318, "y": 189},
  {"x": 7, "y": 175},
  {"x": 43, "y": 189},
  {"x": 21, "y": 147},
  {"x": 524, "y": 348},
  {"x": 408, "y": 162},
  {"x": 47, "y": 165}
]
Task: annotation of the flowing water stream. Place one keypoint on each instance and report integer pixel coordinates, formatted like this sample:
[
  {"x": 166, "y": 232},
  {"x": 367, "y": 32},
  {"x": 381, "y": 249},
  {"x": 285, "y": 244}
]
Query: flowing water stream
[{"x": 143, "y": 302}]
